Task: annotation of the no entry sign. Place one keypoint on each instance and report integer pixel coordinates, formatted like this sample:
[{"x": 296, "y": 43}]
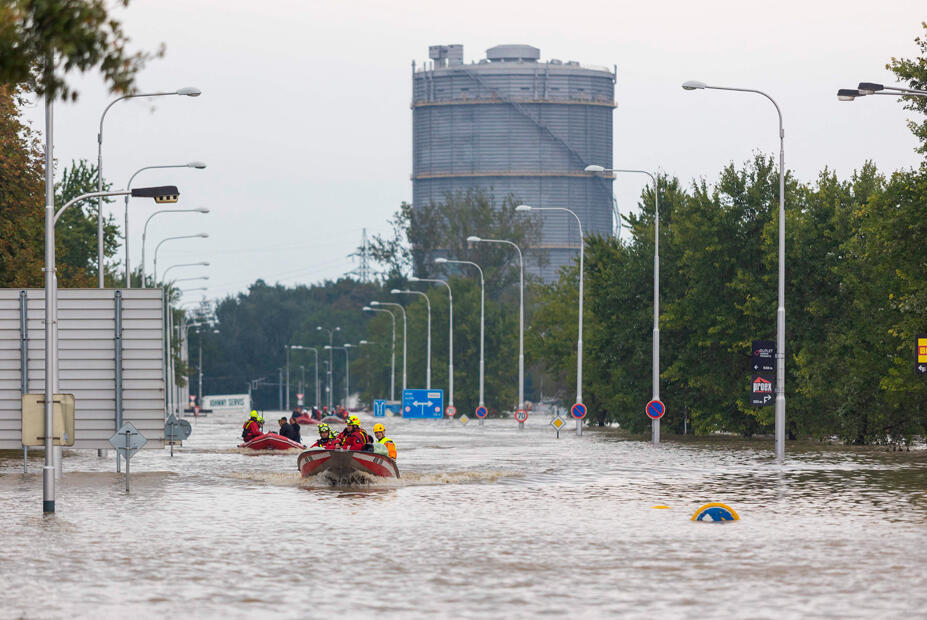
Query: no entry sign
[{"x": 655, "y": 409}]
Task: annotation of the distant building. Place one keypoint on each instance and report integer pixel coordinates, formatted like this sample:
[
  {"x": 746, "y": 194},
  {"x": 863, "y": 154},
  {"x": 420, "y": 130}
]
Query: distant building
[{"x": 516, "y": 125}]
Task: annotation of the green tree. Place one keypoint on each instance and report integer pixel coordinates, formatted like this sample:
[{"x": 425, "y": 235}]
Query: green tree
[{"x": 914, "y": 72}]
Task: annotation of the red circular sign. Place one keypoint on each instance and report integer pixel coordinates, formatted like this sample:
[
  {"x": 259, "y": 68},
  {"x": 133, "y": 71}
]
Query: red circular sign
[
  {"x": 521, "y": 415},
  {"x": 655, "y": 409},
  {"x": 451, "y": 411}
]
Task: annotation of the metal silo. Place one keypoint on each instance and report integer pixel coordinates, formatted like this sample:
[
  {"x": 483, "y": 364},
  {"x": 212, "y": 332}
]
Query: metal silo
[{"x": 516, "y": 125}]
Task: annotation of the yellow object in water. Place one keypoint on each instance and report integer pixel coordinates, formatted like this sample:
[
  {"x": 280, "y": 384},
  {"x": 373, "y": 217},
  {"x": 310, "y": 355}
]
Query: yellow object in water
[{"x": 661, "y": 507}]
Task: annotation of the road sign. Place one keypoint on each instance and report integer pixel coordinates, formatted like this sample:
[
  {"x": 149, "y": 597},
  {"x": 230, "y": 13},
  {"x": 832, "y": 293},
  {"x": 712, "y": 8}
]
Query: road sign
[
  {"x": 299, "y": 399},
  {"x": 379, "y": 408},
  {"x": 127, "y": 440},
  {"x": 655, "y": 409},
  {"x": 521, "y": 415},
  {"x": 175, "y": 429},
  {"x": 464, "y": 419},
  {"x": 192, "y": 398},
  {"x": 763, "y": 356},
  {"x": 423, "y": 403},
  {"x": 762, "y": 390},
  {"x": 557, "y": 422},
  {"x": 920, "y": 355},
  {"x": 451, "y": 411},
  {"x": 578, "y": 411},
  {"x": 481, "y": 412}
]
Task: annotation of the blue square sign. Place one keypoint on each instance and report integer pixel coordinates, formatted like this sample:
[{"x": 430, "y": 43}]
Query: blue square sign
[{"x": 423, "y": 404}]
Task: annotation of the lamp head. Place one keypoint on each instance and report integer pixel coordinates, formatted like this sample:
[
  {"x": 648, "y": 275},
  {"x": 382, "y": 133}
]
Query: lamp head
[
  {"x": 473, "y": 239},
  {"x": 205, "y": 263},
  {"x": 202, "y": 210},
  {"x": 196, "y": 164},
  {"x": 327, "y": 347},
  {"x": 869, "y": 88},
  {"x": 364, "y": 342},
  {"x": 594, "y": 168},
  {"x": 523, "y": 208},
  {"x": 162, "y": 194},
  {"x": 203, "y": 235},
  {"x": 367, "y": 309},
  {"x": 319, "y": 328},
  {"x": 414, "y": 279},
  {"x": 848, "y": 94},
  {"x": 374, "y": 303},
  {"x": 440, "y": 260},
  {"x": 395, "y": 291},
  {"x": 694, "y": 85},
  {"x": 337, "y": 329},
  {"x": 189, "y": 91}
]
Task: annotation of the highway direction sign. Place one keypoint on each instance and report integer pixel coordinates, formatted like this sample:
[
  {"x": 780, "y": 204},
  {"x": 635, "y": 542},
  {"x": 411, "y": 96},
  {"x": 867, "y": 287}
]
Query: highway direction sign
[{"x": 423, "y": 403}]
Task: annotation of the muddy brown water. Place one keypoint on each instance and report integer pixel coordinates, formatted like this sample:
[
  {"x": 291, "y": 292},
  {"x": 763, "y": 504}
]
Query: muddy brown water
[{"x": 485, "y": 522}]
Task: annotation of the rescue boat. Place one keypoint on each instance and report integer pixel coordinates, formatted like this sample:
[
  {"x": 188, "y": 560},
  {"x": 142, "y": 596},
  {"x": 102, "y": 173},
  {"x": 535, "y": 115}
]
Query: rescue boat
[
  {"x": 271, "y": 441},
  {"x": 305, "y": 419},
  {"x": 332, "y": 419},
  {"x": 346, "y": 466}
]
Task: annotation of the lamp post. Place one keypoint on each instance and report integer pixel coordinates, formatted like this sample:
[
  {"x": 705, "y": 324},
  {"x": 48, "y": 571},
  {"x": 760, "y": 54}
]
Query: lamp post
[
  {"x": 287, "y": 347},
  {"x": 655, "y": 356},
  {"x": 404, "y": 334},
  {"x": 316, "y": 352},
  {"x": 193, "y": 164},
  {"x": 302, "y": 385},
  {"x": 521, "y": 318},
  {"x": 396, "y": 291},
  {"x": 780, "y": 312},
  {"x": 346, "y": 370},
  {"x": 871, "y": 88},
  {"x": 369, "y": 371},
  {"x": 163, "y": 241},
  {"x": 145, "y": 232},
  {"x": 51, "y": 309},
  {"x": 331, "y": 335},
  {"x": 392, "y": 363},
  {"x": 188, "y": 91},
  {"x": 450, "y": 330},
  {"x": 442, "y": 260},
  {"x": 579, "y": 339}
]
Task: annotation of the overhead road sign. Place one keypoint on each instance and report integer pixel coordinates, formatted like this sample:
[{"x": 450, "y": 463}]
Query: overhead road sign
[
  {"x": 655, "y": 409},
  {"x": 423, "y": 403}
]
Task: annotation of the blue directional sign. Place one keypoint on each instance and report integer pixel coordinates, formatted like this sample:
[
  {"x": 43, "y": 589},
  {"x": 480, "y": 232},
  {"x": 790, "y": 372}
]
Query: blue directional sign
[
  {"x": 578, "y": 411},
  {"x": 655, "y": 409},
  {"x": 379, "y": 408},
  {"x": 481, "y": 411},
  {"x": 423, "y": 404}
]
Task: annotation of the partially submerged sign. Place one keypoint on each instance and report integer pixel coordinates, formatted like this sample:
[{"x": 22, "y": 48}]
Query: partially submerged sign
[
  {"x": 127, "y": 440},
  {"x": 176, "y": 430}
]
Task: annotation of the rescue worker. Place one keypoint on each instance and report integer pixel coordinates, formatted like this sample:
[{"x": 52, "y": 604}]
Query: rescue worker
[
  {"x": 353, "y": 437},
  {"x": 252, "y": 427},
  {"x": 327, "y": 439},
  {"x": 379, "y": 431}
]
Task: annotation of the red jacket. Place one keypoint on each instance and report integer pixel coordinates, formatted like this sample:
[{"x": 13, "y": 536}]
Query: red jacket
[
  {"x": 252, "y": 430},
  {"x": 328, "y": 444},
  {"x": 355, "y": 440}
]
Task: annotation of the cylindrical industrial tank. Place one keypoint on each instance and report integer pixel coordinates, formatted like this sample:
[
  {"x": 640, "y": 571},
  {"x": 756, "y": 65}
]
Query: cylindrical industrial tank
[{"x": 515, "y": 125}]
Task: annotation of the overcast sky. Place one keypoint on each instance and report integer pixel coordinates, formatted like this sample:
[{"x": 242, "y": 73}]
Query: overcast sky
[{"x": 305, "y": 124}]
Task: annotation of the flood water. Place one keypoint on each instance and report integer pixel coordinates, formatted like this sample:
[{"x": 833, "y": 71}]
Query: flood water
[{"x": 485, "y": 522}]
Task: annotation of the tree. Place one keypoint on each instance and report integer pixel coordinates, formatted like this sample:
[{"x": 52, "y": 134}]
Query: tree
[
  {"x": 914, "y": 72},
  {"x": 75, "y": 34}
]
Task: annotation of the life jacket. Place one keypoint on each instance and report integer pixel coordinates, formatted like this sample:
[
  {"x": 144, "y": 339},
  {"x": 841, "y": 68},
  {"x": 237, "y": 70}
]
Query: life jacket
[
  {"x": 246, "y": 425},
  {"x": 390, "y": 446}
]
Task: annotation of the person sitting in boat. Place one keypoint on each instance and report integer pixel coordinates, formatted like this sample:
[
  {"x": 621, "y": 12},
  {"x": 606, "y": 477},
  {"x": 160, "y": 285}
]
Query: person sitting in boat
[
  {"x": 295, "y": 435},
  {"x": 379, "y": 431},
  {"x": 353, "y": 437},
  {"x": 327, "y": 438},
  {"x": 252, "y": 427},
  {"x": 285, "y": 430}
]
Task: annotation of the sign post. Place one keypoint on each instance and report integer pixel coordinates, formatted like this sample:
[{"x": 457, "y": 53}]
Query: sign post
[
  {"x": 176, "y": 430},
  {"x": 521, "y": 416},
  {"x": 920, "y": 356},
  {"x": 655, "y": 409},
  {"x": 557, "y": 423},
  {"x": 127, "y": 441}
]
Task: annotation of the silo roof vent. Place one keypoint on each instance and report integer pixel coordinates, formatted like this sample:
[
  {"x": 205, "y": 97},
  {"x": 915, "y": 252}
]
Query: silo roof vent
[{"x": 513, "y": 53}]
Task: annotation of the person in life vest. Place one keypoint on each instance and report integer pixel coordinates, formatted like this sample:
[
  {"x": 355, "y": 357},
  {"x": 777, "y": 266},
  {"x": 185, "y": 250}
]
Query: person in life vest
[
  {"x": 252, "y": 427},
  {"x": 353, "y": 437},
  {"x": 327, "y": 438},
  {"x": 379, "y": 431}
]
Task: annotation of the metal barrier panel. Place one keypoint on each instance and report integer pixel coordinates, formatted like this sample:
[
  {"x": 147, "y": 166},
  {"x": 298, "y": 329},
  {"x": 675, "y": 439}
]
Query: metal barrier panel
[{"x": 87, "y": 353}]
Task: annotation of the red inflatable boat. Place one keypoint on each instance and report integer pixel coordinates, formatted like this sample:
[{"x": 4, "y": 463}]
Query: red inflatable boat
[
  {"x": 346, "y": 466},
  {"x": 305, "y": 419},
  {"x": 271, "y": 441}
]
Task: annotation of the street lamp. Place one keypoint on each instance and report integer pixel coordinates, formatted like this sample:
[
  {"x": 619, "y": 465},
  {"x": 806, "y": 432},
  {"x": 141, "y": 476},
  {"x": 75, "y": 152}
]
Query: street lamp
[
  {"x": 450, "y": 329},
  {"x": 396, "y": 291},
  {"x": 405, "y": 329},
  {"x": 145, "y": 232},
  {"x": 780, "y": 313},
  {"x": 51, "y": 321},
  {"x": 163, "y": 241},
  {"x": 316, "y": 352},
  {"x": 199, "y": 264},
  {"x": 187, "y": 91},
  {"x": 579, "y": 339},
  {"x": 331, "y": 334},
  {"x": 346, "y": 370},
  {"x": 871, "y": 88},
  {"x": 442, "y": 260},
  {"x": 392, "y": 364},
  {"x": 193, "y": 164},
  {"x": 521, "y": 318}
]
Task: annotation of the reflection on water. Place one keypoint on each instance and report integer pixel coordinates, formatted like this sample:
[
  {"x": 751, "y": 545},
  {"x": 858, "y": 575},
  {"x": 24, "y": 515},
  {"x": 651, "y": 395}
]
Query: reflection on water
[{"x": 485, "y": 521}]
